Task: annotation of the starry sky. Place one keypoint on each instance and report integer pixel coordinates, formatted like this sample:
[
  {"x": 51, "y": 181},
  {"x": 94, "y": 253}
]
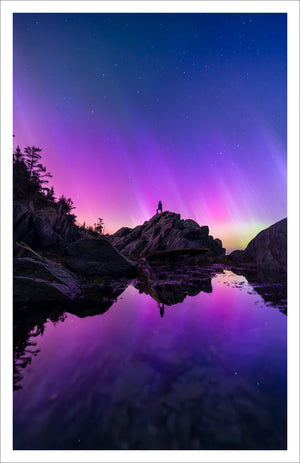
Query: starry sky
[{"x": 130, "y": 109}]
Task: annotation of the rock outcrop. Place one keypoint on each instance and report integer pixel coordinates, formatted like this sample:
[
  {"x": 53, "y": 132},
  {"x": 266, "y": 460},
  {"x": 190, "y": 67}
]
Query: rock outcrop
[
  {"x": 37, "y": 280},
  {"x": 46, "y": 229},
  {"x": 60, "y": 222},
  {"x": 164, "y": 232},
  {"x": 267, "y": 251},
  {"x": 97, "y": 257},
  {"x": 40, "y": 280}
]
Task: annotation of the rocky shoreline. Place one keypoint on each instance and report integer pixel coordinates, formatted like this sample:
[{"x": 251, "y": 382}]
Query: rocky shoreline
[
  {"x": 53, "y": 262},
  {"x": 85, "y": 276}
]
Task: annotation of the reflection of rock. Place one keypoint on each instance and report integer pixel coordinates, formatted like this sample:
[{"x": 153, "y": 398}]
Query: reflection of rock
[
  {"x": 267, "y": 251},
  {"x": 96, "y": 299},
  {"x": 174, "y": 294},
  {"x": 172, "y": 287},
  {"x": 272, "y": 287},
  {"x": 90, "y": 257},
  {"x": 165, "y": 231},
  {"x": 42, "y": 280}
]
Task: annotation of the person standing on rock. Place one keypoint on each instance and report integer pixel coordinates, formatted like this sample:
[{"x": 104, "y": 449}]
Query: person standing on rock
[{"x": 159, "y": 207}]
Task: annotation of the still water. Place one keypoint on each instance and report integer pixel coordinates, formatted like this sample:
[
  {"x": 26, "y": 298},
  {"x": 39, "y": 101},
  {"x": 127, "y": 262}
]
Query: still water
[{"x": 206, "y": 373}]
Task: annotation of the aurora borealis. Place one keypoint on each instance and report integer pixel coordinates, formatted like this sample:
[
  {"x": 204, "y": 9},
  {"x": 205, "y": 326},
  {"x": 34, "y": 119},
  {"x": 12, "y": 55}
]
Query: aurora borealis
[{"x": 130, "y": 109}]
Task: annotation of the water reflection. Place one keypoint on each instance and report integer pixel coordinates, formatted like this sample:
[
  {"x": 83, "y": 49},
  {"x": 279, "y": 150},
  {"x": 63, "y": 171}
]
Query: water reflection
[
  {"x": 209, "y": 375},
  {"x": 29, "y": 323},
  {"x": 171, "y": 285},
  {"x": 97, "y": 299},
  {"x": 161, "y": 309},
  {"x": 272, "y": 287}
]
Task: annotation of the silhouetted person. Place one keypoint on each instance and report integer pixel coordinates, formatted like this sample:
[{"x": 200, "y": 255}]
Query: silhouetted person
[
  {"x": 159, "y": 207},
  {"x": 161, "y": 307}
]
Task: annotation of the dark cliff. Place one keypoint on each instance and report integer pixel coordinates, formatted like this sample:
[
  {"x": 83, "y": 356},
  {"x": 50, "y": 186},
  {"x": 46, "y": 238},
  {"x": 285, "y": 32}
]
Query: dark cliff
[{"x": 267, "y": 251}]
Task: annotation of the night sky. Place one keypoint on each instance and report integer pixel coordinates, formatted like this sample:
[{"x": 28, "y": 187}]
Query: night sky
[{"x": 130, "y": 109}]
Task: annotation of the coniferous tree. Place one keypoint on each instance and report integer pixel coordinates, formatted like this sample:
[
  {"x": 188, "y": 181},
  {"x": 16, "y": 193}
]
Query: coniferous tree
[
  {"x": 18, "y": 155},
  {"x": 32, "y": 158},
  {"x": 37, "y": 172},
  {"x": 50, "y": 194},
  {"x": 21, "y": 177},
  {"x": 30, "y": 177},
  {"x": 66, "y": 204},
  {"x": 99, "y": 226}
]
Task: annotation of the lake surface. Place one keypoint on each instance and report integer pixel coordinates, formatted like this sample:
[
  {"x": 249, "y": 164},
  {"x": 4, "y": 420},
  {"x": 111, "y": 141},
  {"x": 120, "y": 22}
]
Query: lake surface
[{"x": 209, "y": 372}]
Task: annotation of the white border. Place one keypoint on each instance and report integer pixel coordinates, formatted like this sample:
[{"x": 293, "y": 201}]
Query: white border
[
  {"x": 147, "y": 6},
  {"x": 290, "y": 7}
]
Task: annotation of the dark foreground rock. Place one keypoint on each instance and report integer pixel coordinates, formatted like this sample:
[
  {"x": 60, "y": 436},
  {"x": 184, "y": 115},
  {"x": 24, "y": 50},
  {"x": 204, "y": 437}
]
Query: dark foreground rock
[
  {"x": 267, "y": 251},
  {"x": 97, "y": 257},
  {"x": 43, "y": 229},
  {"x": 91, "y": 264},
  {"x": 165, "y": 232},
  {"x": 41, "y": 280},
  {"x": 38, "y": 282}
]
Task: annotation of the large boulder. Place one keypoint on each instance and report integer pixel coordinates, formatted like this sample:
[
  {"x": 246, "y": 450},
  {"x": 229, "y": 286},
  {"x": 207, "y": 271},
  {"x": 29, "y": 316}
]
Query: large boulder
[
  {"x": 41, "y": 280},
  {"x": 267, "y": 251},
  {"x": 98, "y": 257},
  {"x": 164, "y": 232}
]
